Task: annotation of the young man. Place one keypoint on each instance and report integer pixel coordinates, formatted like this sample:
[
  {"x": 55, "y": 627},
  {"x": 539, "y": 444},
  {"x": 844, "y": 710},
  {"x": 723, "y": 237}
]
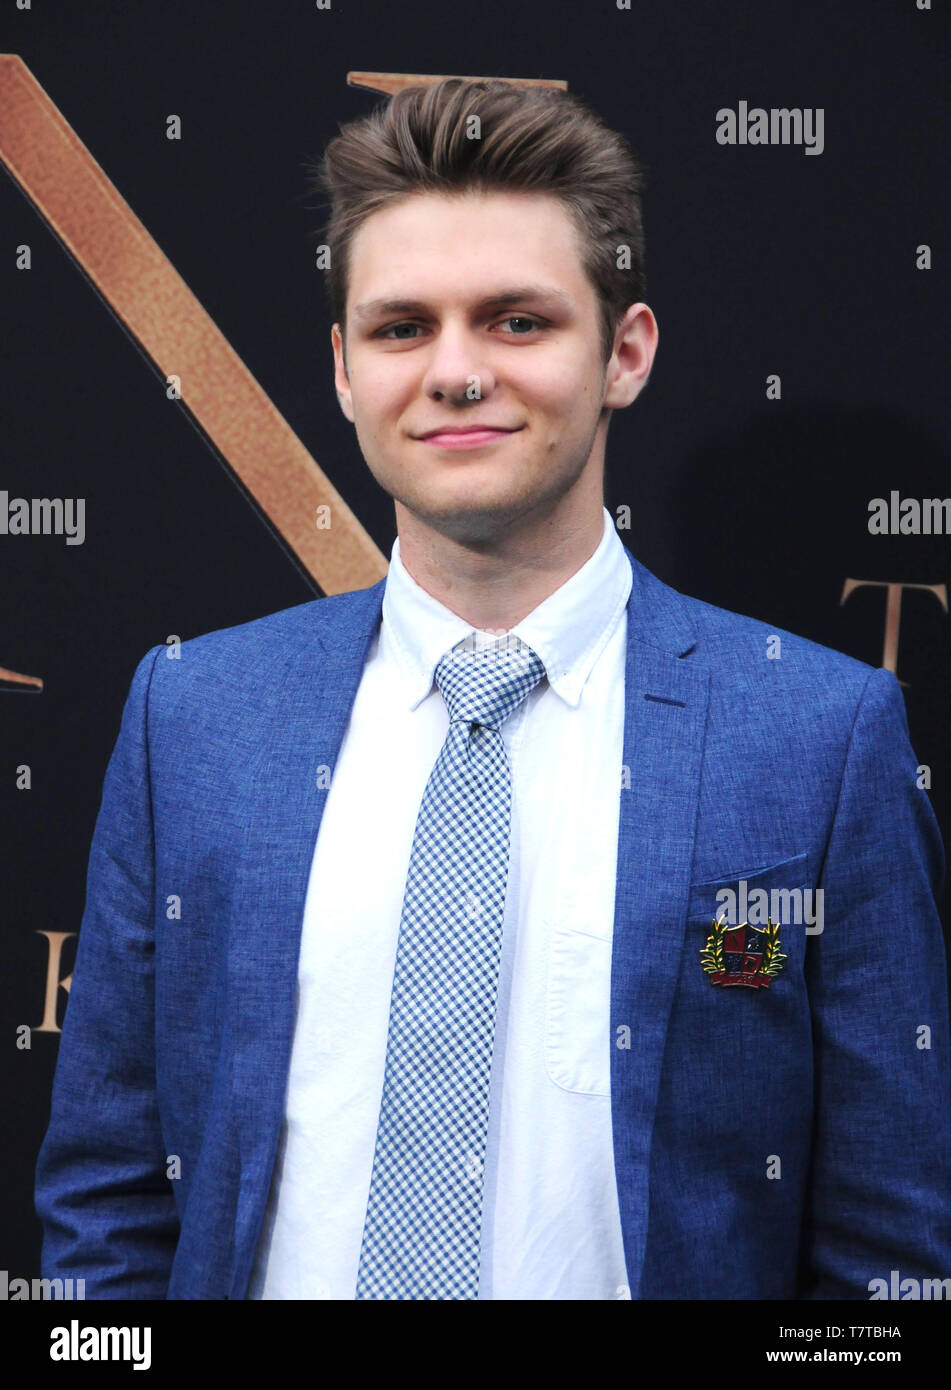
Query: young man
[{"x": 471, "y": 992}]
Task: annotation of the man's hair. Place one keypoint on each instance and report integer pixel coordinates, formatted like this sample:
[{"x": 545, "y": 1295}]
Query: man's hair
[{"x": 532, "y": 139}]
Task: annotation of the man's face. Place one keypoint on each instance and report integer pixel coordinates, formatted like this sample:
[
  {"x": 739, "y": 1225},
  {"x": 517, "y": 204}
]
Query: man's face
[{"x": 441, "y": 353}]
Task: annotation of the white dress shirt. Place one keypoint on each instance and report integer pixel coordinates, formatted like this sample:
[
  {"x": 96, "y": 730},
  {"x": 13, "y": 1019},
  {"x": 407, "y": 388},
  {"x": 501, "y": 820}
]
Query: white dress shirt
[{"x": 550, "y": 1222}]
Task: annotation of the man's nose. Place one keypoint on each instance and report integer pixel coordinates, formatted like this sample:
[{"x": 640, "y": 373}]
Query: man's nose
[{"x": 458, "y": 368}]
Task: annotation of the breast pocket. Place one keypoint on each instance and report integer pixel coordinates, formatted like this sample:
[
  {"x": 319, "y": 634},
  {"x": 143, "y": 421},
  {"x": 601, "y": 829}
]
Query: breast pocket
[
  {"x": 782, "y": 877},
  {"x": 577, "y": 1030},
  {"x": 779, "y": 892}
]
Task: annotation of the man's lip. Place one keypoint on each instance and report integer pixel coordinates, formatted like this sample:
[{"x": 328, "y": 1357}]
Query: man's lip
[{"x": 469, "y": 429}]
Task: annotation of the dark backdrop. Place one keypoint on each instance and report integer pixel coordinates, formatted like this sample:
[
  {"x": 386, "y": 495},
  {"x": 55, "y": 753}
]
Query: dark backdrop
[{"x": 760, "y": 260}]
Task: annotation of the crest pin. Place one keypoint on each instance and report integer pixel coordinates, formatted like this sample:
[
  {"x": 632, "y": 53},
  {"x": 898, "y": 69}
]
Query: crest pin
[{"x": 743, "y": 955}]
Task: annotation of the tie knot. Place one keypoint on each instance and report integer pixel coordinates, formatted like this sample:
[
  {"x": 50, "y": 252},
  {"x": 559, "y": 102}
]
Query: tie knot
[{"x": 485, "y": 686}]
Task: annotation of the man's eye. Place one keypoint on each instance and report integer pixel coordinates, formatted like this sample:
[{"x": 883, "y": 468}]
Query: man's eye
[
  {"x": 522, "y": 318},
  {"x": 531, "y": 324},
  {"x": 384, "y": 332}
]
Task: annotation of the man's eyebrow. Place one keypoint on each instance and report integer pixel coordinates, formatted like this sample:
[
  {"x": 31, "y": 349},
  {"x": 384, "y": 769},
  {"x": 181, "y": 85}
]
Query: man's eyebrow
[{"x": 374, "y": 308}]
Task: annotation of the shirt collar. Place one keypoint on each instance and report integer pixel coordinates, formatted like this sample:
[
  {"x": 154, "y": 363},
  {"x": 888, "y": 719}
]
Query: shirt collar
[{"x": 568, "y": 630}]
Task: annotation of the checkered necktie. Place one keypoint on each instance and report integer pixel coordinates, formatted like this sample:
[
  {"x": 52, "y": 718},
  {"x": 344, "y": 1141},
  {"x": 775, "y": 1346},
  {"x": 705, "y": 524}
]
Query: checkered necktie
[{"x": 422, "y": 1233}]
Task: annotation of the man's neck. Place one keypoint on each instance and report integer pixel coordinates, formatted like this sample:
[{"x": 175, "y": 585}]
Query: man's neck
[{"x": 494, "y": 590}]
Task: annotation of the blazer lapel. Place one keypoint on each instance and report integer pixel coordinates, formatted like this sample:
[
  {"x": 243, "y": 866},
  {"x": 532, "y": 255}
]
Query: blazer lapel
[
  {"x": 666, "y": 701},
  {"x": 302, "y": 721}
]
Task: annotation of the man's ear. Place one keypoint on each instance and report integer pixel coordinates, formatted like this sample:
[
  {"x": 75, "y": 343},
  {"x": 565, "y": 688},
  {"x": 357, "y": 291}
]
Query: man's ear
[
  {"x": 634, "y": 347},
  {"x": 341, "y": 380}
]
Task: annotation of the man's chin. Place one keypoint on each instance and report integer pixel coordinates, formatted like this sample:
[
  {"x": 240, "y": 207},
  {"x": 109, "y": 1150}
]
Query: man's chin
[{"x": 468, "y": 522}]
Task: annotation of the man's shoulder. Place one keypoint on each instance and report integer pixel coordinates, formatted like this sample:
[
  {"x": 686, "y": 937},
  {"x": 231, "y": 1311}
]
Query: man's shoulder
[
  {"x": 229, "y": 663},
  {"x": 766, "y": 672},
  {"x": 733, "y": 646},
  {"x": 786, "y": 696},
  {"x": 322, "y": 620},
  {"x": 747, "y": 642}
]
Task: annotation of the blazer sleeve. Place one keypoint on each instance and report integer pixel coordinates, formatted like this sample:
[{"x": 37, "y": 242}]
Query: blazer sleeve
[
  {"x": 879, "y": 1191},
  {"x": 102, "y": 1194}
]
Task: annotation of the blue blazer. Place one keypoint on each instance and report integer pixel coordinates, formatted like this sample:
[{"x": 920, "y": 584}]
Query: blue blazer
[{"x": 777, "y": 1142}]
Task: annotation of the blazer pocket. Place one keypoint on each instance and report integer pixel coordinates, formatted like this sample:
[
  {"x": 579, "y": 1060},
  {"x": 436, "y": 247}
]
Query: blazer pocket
[
  {"x": 787, "y": 875},
  {"x": 577, "y": 1028}
]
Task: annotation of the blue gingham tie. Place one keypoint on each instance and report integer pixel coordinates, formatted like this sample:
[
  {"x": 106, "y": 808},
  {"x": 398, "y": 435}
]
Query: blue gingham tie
[{"x": 422, "y": 1232}]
